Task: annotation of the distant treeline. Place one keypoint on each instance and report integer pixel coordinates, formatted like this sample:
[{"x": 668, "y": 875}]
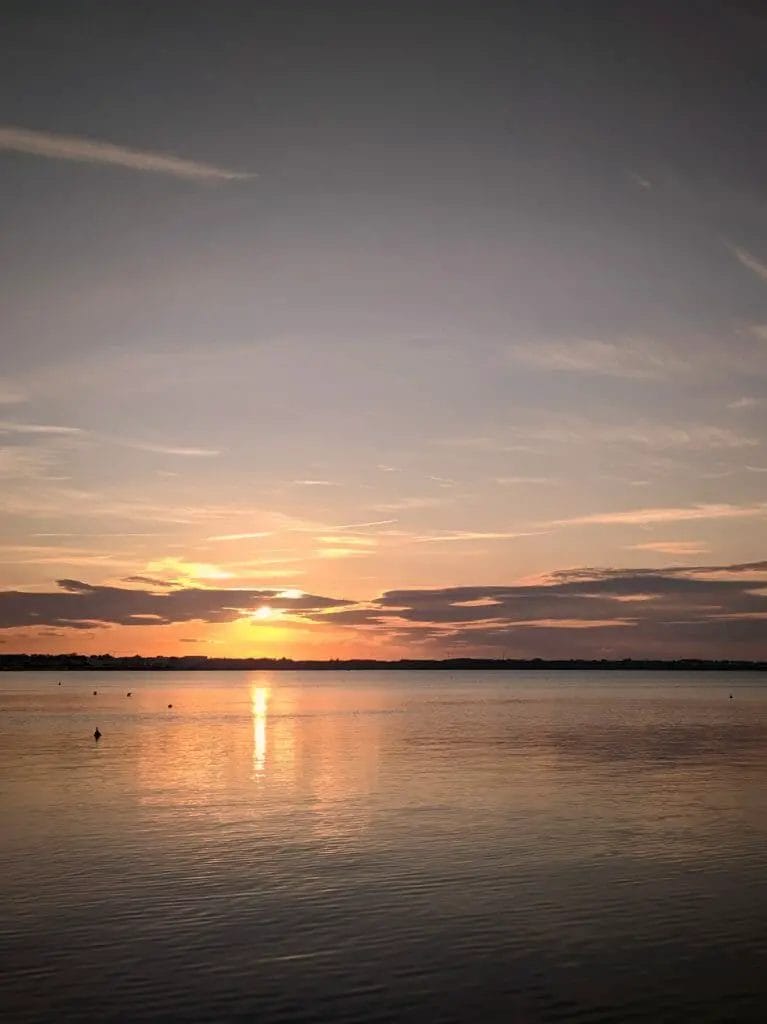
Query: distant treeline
[{"x": 107, "y": 662}]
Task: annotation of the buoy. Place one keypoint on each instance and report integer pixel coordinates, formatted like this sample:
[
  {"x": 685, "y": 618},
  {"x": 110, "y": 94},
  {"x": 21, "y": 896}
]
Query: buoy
[
  {"x": 97, "y": 734},
  {"x": 170, "y": 705},
  {"x": 128, "y": 693},
  {"x": 95, "y": 693}
]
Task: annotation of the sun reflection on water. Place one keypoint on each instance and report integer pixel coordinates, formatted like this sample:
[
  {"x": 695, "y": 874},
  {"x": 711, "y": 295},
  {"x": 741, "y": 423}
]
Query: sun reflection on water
[{"x": 259, "y": 701}]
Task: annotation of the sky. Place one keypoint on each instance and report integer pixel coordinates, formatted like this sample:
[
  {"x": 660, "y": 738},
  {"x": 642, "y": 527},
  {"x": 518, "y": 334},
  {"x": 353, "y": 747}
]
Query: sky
[{"x": 385, "y": 330}]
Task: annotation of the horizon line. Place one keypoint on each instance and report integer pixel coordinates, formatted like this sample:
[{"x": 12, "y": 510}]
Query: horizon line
[{"x": 187, "y": 661}]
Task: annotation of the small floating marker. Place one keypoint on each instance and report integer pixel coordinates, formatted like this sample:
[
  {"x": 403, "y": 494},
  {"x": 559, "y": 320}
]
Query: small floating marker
[
  {"x": 95, "y": 693},
  {"x": 128, "y": 694},
  {"x": 97, "y": 734},
  {"x": 730, "y": 696},
  {"x": 59, "y": 684},
  {"x": 170, "y": 705}
]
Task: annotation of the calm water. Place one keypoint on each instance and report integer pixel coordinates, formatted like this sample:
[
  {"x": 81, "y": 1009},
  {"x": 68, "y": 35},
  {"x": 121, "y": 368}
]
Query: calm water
[{"x": 383, "y": 847}]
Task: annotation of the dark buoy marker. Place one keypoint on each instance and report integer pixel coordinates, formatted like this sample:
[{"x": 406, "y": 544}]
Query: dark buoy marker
[
  {"x": 95, "y": 693},
  {"x": 730, "y": 696},
  {"x": 97, "y": 734},
  {"x": 170, "y": 705},
  {"x": 128, "y": 693}
]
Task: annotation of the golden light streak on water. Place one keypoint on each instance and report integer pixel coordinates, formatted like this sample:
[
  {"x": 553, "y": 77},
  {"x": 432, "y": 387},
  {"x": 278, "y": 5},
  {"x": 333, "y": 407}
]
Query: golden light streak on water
[{"x": 259, "y": 702}]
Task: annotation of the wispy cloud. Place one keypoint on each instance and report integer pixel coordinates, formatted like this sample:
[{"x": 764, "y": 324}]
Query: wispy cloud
[
  {"x": 7, "y": 427},
  {"x": 749, "y": 261},
  {"x": 314, "y": 483},
  {"x": 747, "y": 402},
  {"x": 647, "y": 516},
  {"x": 149, "y": 581},
  {"x": 671, "y": 547},
  {"x": 632, "y": 358},
  {"x": 21, "y": 464},
  {"x": 471, "y": 535},
  {"x": 57, "y": 430},
  {"x": 653, "y": 436},
  {"x": 640, "y": 180},
  {"x": 349, "y": 540},
  {"x": 483, "y": 444},
  {"x": 164, "y": 449},
  {"x": 537, "y": 436},
  {"x": 363, "y": 526},
  {"x": 401, "y": 504},
  {"x": 240, "y": 536},
  {"x": 345, "y": 552},
  {"x": 69, "y": 147},
  {"x": 509, "y": 481},
  {"x": 10, "y": 393}
]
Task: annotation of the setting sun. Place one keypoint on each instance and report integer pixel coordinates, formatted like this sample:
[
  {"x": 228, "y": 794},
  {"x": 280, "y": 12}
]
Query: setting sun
[{"x": 264, "y": 612}]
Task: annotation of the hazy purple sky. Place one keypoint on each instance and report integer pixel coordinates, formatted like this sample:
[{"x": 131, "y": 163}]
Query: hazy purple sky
[{"x": 489, "y": 280}]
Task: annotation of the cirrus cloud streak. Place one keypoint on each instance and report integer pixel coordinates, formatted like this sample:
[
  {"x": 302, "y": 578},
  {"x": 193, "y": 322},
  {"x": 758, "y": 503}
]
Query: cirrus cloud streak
[{"x": 70, "y": 147}]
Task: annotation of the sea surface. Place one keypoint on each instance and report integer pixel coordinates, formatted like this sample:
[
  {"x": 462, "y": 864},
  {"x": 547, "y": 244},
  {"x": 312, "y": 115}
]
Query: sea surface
[{"x": 383, "y": 846}]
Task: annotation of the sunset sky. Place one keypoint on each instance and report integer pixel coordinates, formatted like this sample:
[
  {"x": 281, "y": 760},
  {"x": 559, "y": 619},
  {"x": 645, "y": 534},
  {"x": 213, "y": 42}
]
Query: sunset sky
[{"x": 383, "y": 329}]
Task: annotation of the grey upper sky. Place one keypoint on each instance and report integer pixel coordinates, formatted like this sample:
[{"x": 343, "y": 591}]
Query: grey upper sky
[{"x": 490, "y": 280}]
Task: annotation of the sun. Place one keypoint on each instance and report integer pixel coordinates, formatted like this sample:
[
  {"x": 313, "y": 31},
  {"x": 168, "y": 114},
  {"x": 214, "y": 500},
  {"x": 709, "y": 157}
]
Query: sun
[{"x": 264, "y": 612}]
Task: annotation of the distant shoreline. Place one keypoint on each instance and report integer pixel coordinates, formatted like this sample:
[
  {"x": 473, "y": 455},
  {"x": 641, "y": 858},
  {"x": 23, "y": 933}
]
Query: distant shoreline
[{"x": 196, "y": 663}]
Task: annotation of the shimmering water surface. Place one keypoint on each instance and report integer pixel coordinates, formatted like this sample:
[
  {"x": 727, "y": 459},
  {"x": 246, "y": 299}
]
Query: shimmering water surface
[{"x": 383, "y": 847}]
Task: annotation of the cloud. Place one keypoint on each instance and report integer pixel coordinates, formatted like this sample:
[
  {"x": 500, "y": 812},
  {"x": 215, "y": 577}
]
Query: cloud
[
  {"x": 163, "y": 449},
  {"x": 185, "y": 573},
  {"x": 240, "y": 536},
  {"x": 8, "y": 427},
  {"x": 654, "y": 436},
  {"x": 10, "y": 393},
  {"x": 632, "y": 359},
  {"x": 646, "y": 516},
  {"x": 23, "y": 464},
  {"x": 402, "y": 504},
  {"x": 471, "y": 535},
  {"x": 671, "y": 547},
  {"x": 149, "y": 581},
  {"x": 346, "y": 552},
  {"x": 697, "y": 611},
  {"x": 57, "y": 430},
  {"x": 746, "y": 402},
  {"x": 69, "y": 147},
  {"x": 509, "y": 481},
  {"x": 363, "y": 526},
  {"x": 749, "y": 261},
  {"x": 78, "y": 605},
  {"x": 314, "y": 483},
  {"x": 540, "y": 436},
  {"x": 701, "y": 611},
  {"x": 349, "y": 540},
  {"x": 640, "y": 180}
]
